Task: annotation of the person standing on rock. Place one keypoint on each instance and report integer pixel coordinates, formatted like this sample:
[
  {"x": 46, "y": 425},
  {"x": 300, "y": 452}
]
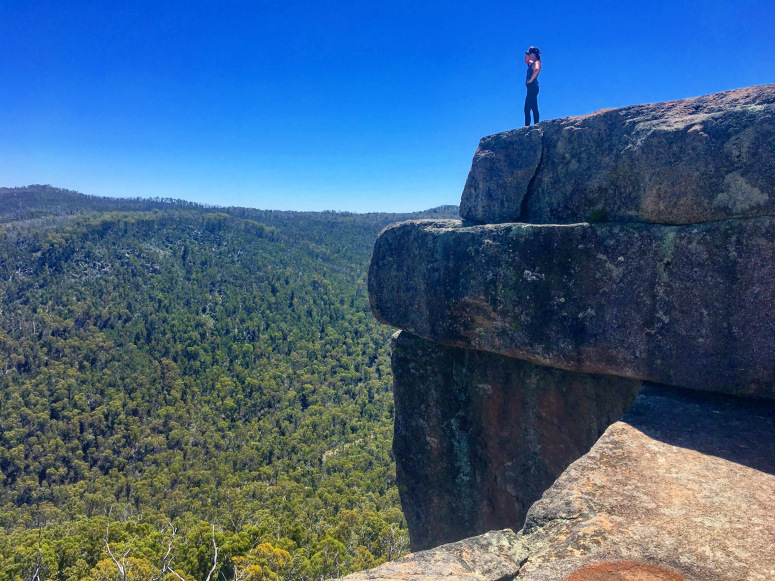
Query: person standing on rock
[{"x": 533, "y": 62}]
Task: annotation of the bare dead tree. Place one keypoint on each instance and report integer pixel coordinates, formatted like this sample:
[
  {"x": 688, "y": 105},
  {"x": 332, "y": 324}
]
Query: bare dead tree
[
  {"x": 215, "y": 557},
  {"x": 239, "y": 574},
  {"x": 396, "y": 543},
  {"x": 36, "y": 568},
  {"x": 175, "y": 573},
  {"x": 121, "y": 566},
  {"x": 166, "y": 561}
]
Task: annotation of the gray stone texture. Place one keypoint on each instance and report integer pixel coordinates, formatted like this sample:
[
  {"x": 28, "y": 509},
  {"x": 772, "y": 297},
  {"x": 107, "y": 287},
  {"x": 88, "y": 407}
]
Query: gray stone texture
[
  {"x": 598, "y": 252},
  {"x": 690, "y": 306},
  {"x": 680, "y": 162},
  {"x": 494, "y": 556},
  {"x": 479, "y": 436}
]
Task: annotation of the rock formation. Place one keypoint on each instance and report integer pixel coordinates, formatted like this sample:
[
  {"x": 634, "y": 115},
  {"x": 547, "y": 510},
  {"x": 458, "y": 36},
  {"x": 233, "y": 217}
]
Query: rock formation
[
  {"x": 597, "y": 253},
  {"x": 681, "y": 305},
  {"x": 496, "y": 555},
  {"x": 683, "y": 162},
  {"x": 685, "y": 482}
]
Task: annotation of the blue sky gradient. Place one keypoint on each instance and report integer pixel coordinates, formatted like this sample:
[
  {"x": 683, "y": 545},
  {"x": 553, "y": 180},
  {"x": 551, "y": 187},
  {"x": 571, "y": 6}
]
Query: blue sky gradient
[{"x": 359, "y": 106}]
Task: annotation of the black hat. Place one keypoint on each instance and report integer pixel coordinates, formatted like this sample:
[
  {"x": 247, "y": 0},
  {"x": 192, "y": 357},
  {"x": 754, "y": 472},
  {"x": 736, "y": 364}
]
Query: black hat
[{"x": 534, "y": 50}]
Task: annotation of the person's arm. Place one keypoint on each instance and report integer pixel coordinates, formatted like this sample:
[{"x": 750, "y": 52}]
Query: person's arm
[{"x": 536, "y": 69}]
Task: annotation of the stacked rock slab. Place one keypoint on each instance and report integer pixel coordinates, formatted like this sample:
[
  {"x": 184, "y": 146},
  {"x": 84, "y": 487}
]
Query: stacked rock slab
[
  {"x": 681, "y": 305},
  {"x": 596, "y": 253}
]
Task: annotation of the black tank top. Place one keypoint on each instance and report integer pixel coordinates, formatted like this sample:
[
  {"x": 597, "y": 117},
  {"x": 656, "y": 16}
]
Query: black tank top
[{"x": 530, "y": 74}]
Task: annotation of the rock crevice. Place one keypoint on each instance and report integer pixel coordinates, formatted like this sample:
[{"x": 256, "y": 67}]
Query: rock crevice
[{"x": 531, "y": 186}]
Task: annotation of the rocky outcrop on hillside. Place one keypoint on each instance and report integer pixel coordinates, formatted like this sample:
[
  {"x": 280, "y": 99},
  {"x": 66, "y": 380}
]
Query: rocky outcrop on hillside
[
  {"x": 685, "y": 482},
  {"x": 681, "y": 305},
  {"x": 682, "y": 162},
  {"x": 493, "y": 556},
  {"x": 596, "y": 253}
]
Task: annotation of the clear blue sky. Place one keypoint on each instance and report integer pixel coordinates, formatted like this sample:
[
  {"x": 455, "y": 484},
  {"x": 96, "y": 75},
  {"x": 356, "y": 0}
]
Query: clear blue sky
[{"x": 359, "y": 105}]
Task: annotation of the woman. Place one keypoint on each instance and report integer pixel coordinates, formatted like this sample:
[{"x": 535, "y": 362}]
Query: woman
[{"x": 533, "y": 62}]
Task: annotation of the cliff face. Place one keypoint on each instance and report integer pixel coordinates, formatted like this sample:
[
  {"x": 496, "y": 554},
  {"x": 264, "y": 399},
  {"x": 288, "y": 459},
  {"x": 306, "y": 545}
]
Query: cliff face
[
  {"x": 680, "y": 489},
  {"x": 479, "y": 436},
  {"x": 597, "y": 253}
]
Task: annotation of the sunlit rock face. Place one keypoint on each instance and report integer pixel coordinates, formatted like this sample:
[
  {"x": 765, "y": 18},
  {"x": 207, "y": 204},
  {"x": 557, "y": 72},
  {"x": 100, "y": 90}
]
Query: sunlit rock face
[
  {"x": 595, "y": 253},
  {"x": 681, "y": 162},
  {"x": 682, "y": 484},
  {"x": 494, "y": 556}
]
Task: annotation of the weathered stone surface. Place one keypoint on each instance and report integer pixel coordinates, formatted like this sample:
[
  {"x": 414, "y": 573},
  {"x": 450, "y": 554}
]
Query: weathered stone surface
[
  {"x": 495, "y": 556},
  {"x": 479, "y": 437},
  {"x": 684, "y": 484},
  {"x": 681, "y": 162},
  {"x": 501, "y": 174},
  {"x": 681, "y": 305}
]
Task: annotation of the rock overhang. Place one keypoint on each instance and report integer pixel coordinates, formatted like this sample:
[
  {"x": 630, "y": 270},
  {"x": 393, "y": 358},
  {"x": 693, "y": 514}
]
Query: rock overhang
[
  {"x": 632, "y": 242},
  {"x": 680, "y": 305}
]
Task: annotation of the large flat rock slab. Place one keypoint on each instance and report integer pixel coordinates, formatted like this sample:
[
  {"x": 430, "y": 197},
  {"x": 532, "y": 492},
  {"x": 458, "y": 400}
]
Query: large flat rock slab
[
  {"x": 479, "y": 437},
  {"x": 682, "y": 305},
  {"x": 680, "y": 162},
  {"x": 683, "y": 486}
]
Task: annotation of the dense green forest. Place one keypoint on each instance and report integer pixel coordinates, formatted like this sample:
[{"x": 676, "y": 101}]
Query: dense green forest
[{"x": 176, "y": 378}]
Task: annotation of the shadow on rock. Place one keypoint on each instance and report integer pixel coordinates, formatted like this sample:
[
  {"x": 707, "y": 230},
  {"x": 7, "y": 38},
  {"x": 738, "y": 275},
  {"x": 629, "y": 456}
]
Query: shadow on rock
[{"x": 737, "y": 429}]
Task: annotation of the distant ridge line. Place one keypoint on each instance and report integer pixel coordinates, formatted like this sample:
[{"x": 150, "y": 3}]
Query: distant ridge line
[{"x": 42, "y": 199}]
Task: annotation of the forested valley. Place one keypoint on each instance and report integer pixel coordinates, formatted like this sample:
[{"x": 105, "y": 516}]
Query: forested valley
[{"x": 176, "y": 379}]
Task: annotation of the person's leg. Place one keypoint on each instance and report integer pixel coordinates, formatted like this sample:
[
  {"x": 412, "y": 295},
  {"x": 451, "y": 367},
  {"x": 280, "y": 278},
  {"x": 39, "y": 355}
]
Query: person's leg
[
  {"x": 536, "y": 117},
  {"x": 531, "y": 104}
]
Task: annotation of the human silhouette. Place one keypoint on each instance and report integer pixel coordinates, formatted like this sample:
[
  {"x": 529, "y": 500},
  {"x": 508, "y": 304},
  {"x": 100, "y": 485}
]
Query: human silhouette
[{"x": 533, "y": 62}]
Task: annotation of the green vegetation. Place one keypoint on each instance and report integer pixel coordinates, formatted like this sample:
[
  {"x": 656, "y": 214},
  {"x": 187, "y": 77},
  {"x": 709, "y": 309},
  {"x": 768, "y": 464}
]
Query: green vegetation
[{"x": 167, "y": 367}]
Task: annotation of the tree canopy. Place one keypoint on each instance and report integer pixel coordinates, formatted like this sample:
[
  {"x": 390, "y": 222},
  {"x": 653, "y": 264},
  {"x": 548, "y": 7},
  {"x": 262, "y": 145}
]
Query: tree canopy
[{"x": 169, "y": 367}]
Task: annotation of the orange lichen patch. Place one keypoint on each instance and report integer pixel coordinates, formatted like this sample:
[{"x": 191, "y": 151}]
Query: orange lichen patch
[{"x": 624, "y": 571}]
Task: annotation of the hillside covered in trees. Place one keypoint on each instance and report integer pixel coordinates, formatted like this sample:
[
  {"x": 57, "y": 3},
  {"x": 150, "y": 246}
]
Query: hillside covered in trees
[{"x": 179, "y": 377}]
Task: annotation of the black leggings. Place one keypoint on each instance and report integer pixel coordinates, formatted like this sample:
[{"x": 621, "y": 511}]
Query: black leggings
[{"x": 531, "y": 103}]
